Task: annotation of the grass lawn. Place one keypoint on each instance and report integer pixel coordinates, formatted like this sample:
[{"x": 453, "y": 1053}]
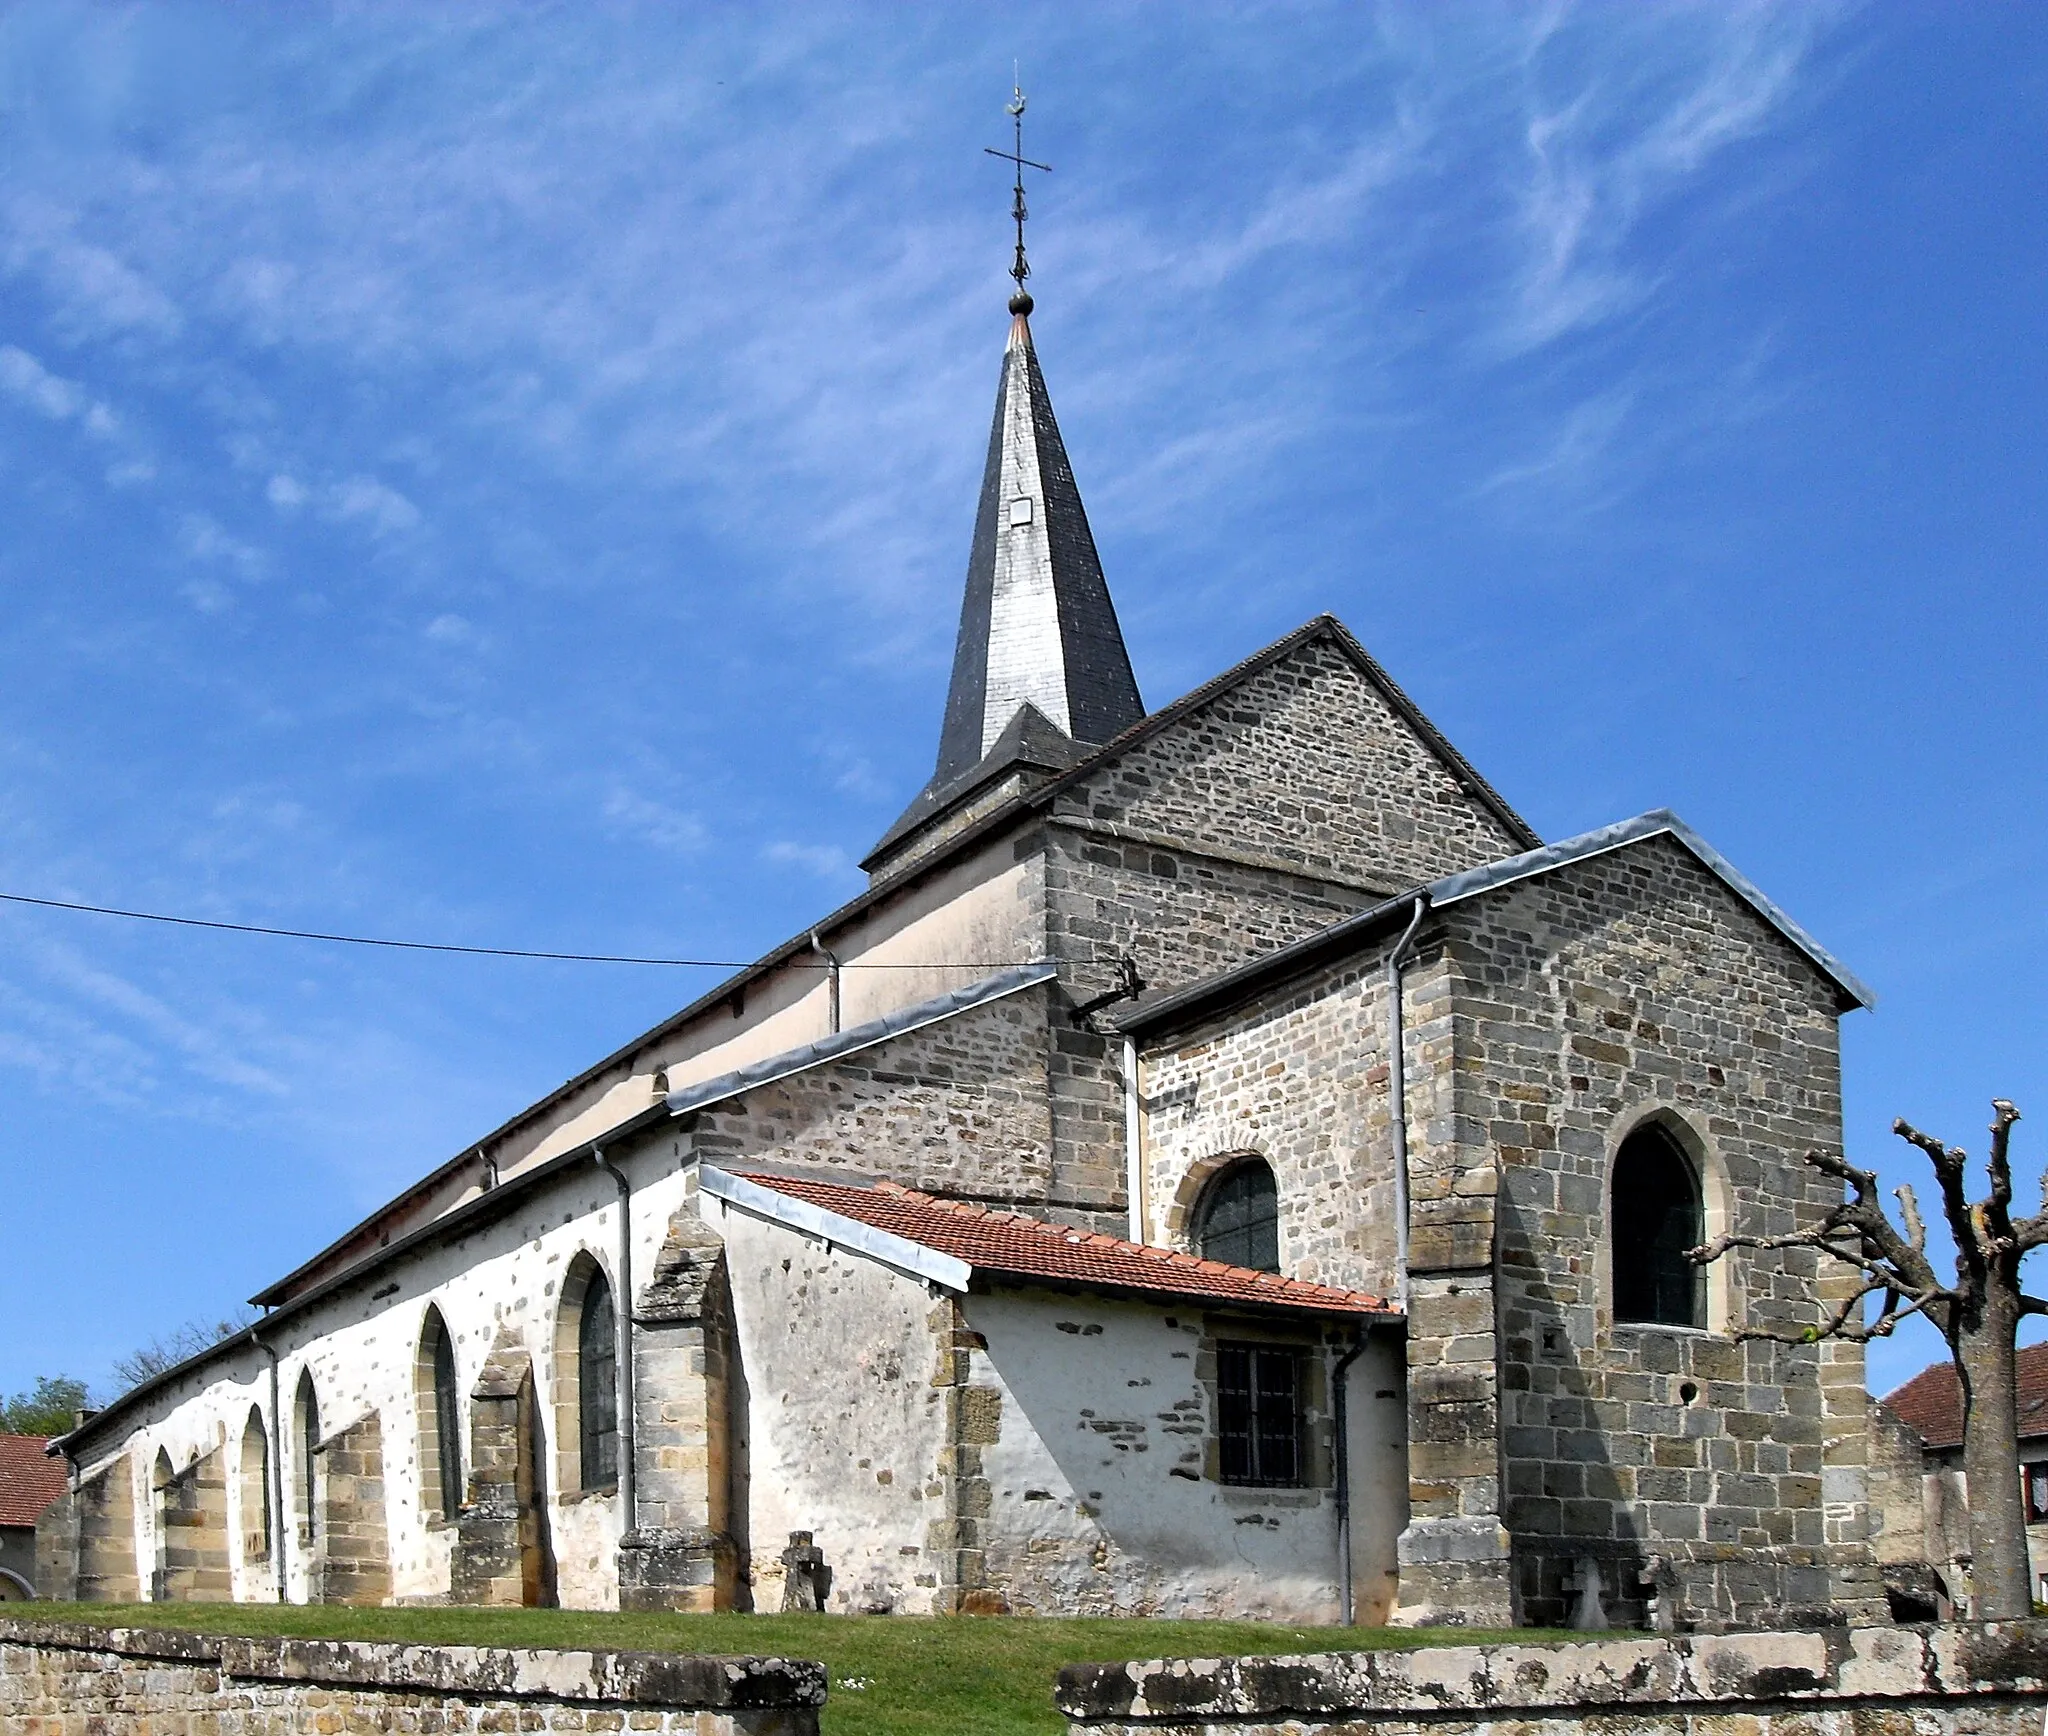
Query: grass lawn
[{"x": 891, "y": 1675}]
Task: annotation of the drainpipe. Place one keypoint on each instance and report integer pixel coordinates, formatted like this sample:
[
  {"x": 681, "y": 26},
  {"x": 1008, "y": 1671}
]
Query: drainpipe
[
  {"x": 1337, "y": 1399},
  {"x": 1397, "y": 1096},
  {"x": 622, "y": 1308},
  {"x": 831, "y": 959},
  {"x": 1134, "y": 1145},
  {"x": 276, "y": 1472}
]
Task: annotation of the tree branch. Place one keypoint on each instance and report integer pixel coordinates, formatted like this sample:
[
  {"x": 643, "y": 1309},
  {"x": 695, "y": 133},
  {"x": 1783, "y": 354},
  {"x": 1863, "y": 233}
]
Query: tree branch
[{"x": 1951, "y": 1171}]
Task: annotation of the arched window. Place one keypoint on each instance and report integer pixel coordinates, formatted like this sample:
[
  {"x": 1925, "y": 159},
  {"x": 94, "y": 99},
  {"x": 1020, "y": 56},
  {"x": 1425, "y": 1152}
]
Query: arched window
[
  {"x": 255, "y": 1488},
  {"x": 1238, "y": 1218},
  {"x": 437, "y": 1400},
  {"x": 307, "y": 1431},
  {"x": 1654, "y": 1216},
  {"x": 597, "y": 1386}
]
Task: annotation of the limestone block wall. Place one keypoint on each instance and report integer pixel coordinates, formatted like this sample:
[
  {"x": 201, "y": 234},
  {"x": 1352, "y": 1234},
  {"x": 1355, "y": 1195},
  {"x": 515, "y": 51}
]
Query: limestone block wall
[
  {"x": 1586, "y": 1002},
  {"x": 1938, "y": 1681},
  {"x": 62, "y": 1676},
  {"x": 1299, "y": 1078},
  {"x": 960, "y": 1107},
  {"x": 192, "y": 1562},
  {"x": 1303, "y": 762}
]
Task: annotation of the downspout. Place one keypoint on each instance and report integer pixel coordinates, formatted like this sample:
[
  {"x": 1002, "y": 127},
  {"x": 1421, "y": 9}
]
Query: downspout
[
  {"x": 831, "y": 959},
  {"x": 1397, "y": 1096},
  {"x": 276, "y": 1471},
  {"x": 622, "y": 1308},
  {"x": 1135, "y": 1182},
  {"x": 1337, "y": 1399}
]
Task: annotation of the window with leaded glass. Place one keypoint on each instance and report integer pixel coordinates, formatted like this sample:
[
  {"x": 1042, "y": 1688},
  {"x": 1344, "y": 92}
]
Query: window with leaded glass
[
  {"x": 1655, "y": 1217},
  {"x": 597, "y": 1386},
  {"x": 1238, "y": 1220}
]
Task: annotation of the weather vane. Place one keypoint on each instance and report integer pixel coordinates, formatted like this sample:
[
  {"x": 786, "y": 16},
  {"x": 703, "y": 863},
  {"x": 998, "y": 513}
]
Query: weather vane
[{"x": 1021, "y": 269}]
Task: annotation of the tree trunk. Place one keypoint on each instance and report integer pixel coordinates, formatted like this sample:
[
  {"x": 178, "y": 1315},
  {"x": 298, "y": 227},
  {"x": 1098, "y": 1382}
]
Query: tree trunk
[{"x": 2001, "y": 1586}]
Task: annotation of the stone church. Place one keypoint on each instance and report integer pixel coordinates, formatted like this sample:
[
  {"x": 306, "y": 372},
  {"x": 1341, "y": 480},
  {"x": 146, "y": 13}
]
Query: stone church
[{"x": 1225, "y": 1164}]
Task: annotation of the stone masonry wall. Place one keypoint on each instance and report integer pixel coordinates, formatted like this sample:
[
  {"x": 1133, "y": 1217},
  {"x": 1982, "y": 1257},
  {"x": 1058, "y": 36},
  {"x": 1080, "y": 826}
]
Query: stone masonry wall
[
  {"x": 1937, "y": 1681},
  {"x": 1304, "y": 762},
  {"x": 959, "y": 1108},
  {"x": 57, "y": 1678},
  {"x": 1628, "y": 988},
  {"x": 1300, "y": 1078}
]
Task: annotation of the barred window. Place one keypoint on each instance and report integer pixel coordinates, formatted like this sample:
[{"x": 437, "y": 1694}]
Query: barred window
[{"x": 1259, "y": 1414}]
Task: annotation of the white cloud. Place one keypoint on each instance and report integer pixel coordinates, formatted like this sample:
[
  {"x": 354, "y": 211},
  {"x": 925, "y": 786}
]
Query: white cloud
[
  {"x": 826, "y": 861},
  {"x": 28, "y": 382},
  {"x": 365, "y": 500},
  {"x": 451, "y": 630},
  {"x": 651, "y": 822},
  {"x": 286, "y": 493},
  {"x": 203, "y": 538}
]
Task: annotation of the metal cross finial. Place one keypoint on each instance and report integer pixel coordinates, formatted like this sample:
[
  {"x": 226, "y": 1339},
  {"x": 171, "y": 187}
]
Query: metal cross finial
[{"x": 1020, "y": 269}]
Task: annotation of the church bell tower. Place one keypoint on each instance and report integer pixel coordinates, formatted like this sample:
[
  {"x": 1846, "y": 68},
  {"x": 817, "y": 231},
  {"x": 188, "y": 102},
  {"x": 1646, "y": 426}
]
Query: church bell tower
[{"x": 1040, "y": 673}]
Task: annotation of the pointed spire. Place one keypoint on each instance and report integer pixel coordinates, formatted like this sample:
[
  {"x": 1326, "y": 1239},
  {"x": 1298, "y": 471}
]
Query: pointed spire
[
  {"x": 1040, "y": 672},
  {"x": 1037, "y": 626}
]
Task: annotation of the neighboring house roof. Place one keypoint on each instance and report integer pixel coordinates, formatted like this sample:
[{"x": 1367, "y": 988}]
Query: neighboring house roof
[
  {"x": 29, "y": 1481},
  {"x": 1179, "y": 1007},
  {"x": 1932, "y": 1401},
  {"x": 1011, "y": 1245}
]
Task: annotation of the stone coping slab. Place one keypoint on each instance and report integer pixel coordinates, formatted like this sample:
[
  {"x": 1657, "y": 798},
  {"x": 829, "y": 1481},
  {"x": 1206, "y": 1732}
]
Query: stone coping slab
[
  {"x": 1703, "y": 1669},
  {"x": 684, "y": 1680}
]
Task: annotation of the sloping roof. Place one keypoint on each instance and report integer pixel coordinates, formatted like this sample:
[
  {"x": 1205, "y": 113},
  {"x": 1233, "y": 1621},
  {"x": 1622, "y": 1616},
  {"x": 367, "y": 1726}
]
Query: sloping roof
[
  {"x": 29, "y": 1481},
  {"x": 1327, "y": 627},
  {"x": 1012, "y": 1245},
  {"x": 1181, "y": 1006},
  {"x": 1932, "y": 1401},
  {"x": 911, "y": 1018}
]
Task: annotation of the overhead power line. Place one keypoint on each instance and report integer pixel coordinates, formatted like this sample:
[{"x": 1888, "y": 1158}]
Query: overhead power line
[{"x": 447, "y": 946}]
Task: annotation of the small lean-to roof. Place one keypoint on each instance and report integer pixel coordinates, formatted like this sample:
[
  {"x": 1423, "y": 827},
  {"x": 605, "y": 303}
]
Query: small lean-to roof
[
  {"x": 1001, "y": 1244},
  {"x": 29, "y": 1479},
  {"x": 1180, "y": 1007},
  {"x": 1932, "y": 1401}
]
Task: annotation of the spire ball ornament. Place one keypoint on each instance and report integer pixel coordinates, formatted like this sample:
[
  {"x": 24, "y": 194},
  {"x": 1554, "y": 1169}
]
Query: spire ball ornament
[{"x": 1020, "y": 268}]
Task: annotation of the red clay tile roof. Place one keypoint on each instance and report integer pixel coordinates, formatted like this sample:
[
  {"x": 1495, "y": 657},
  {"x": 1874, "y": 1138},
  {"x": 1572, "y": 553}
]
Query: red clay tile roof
[
  {"x": 28, "y": 1481},
  {"x": 1932, "y": 1401},
  {"x": 1021, "y": 1247}
]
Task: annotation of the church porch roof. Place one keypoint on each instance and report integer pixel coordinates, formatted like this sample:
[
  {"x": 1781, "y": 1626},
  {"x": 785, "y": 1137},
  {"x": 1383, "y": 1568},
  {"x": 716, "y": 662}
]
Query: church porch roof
[{"x": 989, "y": 1242}]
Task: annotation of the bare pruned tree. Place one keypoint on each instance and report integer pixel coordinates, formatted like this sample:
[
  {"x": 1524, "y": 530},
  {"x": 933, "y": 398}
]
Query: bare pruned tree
[{"x": 1978, "y": 1312}]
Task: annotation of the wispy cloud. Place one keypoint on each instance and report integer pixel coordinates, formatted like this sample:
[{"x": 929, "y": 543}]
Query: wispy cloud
[
  {"x": 825, "y": 861},
  {"x": 640, "y": 817}
]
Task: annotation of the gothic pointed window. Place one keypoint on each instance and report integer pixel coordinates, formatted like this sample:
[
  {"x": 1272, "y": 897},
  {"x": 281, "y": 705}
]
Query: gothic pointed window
[
  {"x": 1238, "y": 1218},
  {"x": 597, "y": 1386},
  {"x": 440, "y": 1418},
  {"x": 1654, "y": 1216},
  {"x": 308, "y": 1444}
]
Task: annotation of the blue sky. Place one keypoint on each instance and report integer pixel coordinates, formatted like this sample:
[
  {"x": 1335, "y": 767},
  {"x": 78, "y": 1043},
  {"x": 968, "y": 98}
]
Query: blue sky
[{"x": 504, "y": 476}]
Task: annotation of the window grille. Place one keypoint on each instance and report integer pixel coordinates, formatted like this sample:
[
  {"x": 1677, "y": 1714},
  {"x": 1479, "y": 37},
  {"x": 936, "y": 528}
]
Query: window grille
[{"x": 1259, "y": 1414}]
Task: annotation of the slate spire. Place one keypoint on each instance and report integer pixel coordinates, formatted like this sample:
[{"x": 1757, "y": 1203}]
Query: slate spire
[{"x": 1037, "y": 627}]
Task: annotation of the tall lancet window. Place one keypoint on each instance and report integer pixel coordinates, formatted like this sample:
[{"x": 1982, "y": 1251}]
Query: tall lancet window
[
  {"x": 597, "y": 1386},
  {"x": 1238, "y": 1219},
  {"x": 440, "y": 1419},
  {"x": 308, "y": 1444},
  {"x": 1654, "y": 1216}
]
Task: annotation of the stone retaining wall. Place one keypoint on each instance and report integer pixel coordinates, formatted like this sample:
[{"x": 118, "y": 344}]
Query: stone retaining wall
[
  {"x": 1929, "y": 1681},
  {"x": 61, "y": 1679}
]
